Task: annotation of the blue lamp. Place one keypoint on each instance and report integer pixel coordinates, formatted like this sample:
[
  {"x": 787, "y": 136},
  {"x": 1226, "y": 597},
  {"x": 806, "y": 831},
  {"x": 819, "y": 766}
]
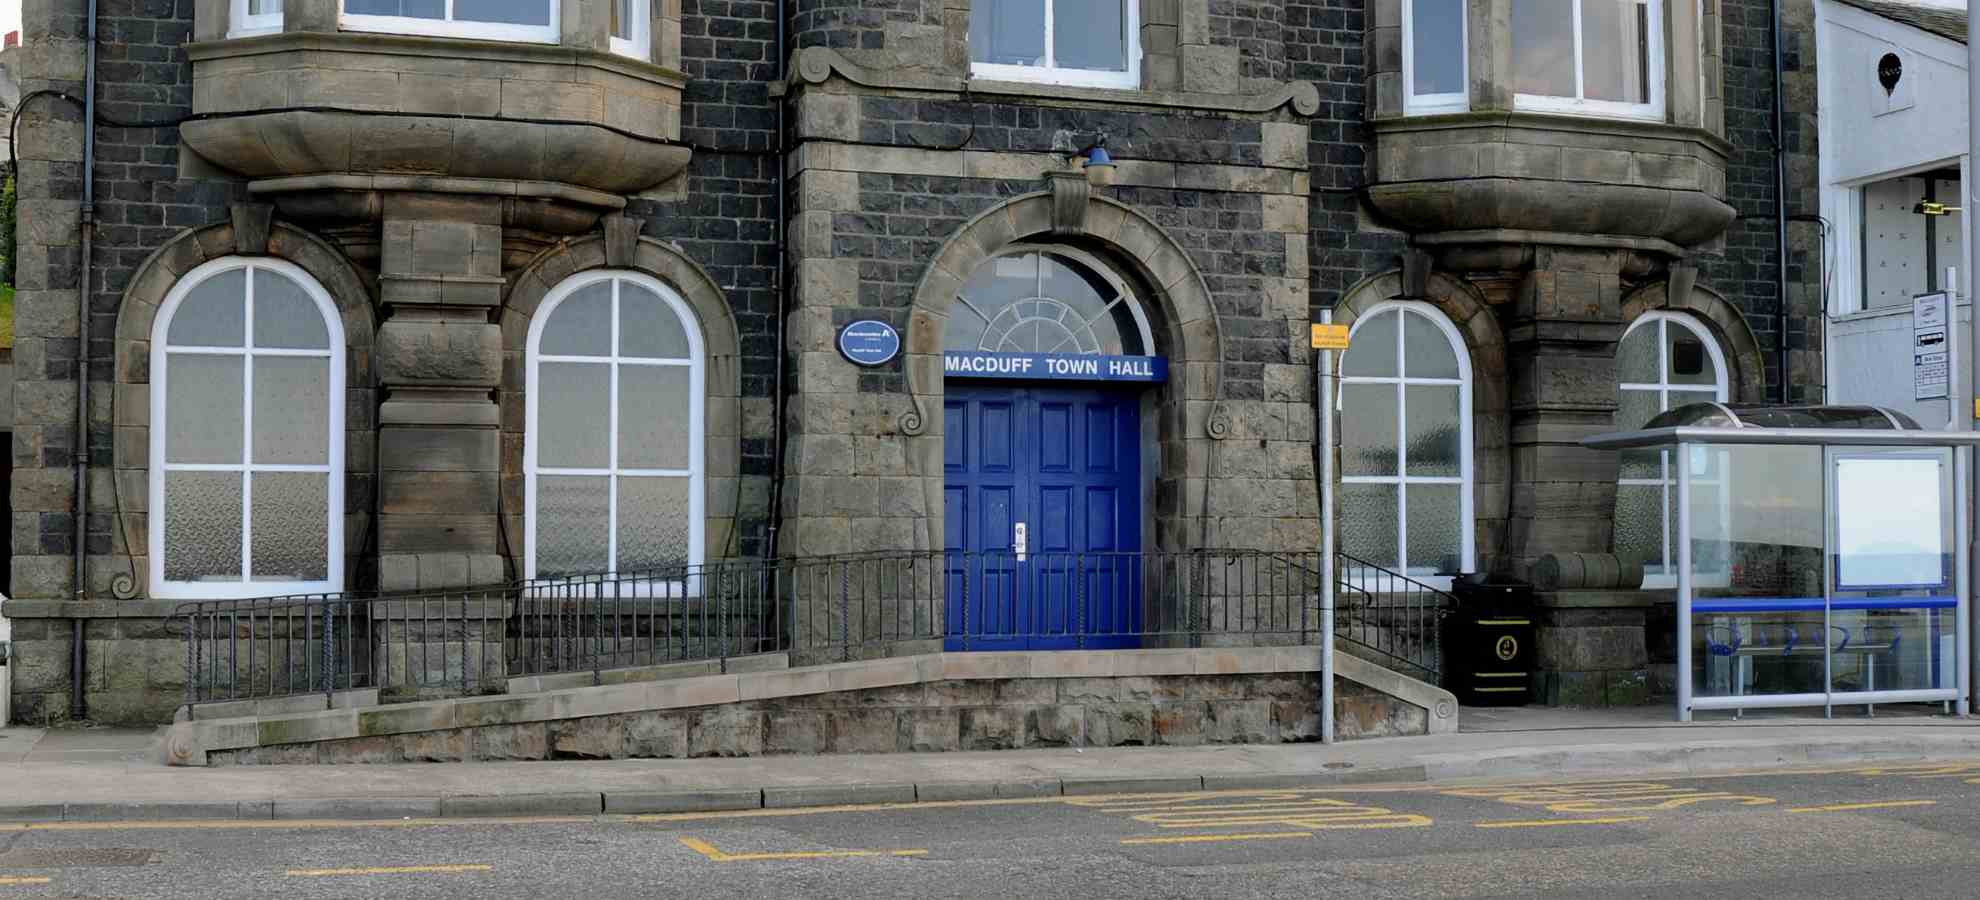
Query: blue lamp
[{"x": 1099, "y": 165}]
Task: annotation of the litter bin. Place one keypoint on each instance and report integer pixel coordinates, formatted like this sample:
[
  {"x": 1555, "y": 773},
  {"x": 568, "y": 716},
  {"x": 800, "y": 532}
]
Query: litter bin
[{"x": 1488, "y": 644}]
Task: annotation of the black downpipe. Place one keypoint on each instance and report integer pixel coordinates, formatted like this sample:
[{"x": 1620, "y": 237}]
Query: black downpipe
[
  {"x": 781, "y": 287},
  {"x": 80, "y": 443},
  {"x": 1780, "y": 214}
]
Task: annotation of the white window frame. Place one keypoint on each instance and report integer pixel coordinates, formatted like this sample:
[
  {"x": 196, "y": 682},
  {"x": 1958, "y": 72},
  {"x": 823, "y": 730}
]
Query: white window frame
[
  {"x": 1718, "y": 391},
  {"x": 448, "y": 27},
  {"x": 1467, "y": 527},
  {"x": 696, "y": 472},
  {"x": 241, "y": 23},
  {"x": 333, "y": 468},
  {"x": 1456, "y": 101},
  {"x": 1051, "y": 73},
  {"x": 1578, "y": 105},
  {"x": 640, "y": 43}
]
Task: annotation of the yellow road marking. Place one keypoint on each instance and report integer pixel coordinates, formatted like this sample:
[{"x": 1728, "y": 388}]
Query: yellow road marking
[
  {"x": 1542, "y": 823},
  {"x": 1209, "y": 838},
  {"x": 708, "y": 850},
  {"x": 1845, "y": 807},
  {"x": 24, "y": 880},
  {"x": 389, "y": 870},
  {"x": 1605, "y": 797}
]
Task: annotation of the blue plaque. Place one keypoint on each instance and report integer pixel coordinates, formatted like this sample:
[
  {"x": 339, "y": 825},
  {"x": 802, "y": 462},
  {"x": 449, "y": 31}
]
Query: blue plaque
[
  {"x": 869, "y": 342},
  {"x": 1054, "y": 366}
]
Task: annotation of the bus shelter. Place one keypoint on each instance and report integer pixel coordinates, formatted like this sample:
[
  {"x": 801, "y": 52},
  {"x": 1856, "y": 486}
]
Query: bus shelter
[{"x": 1821, "y": 555}]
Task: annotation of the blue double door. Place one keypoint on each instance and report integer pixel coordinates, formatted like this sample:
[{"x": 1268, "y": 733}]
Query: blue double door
[{"x": 1042, "y": 517}]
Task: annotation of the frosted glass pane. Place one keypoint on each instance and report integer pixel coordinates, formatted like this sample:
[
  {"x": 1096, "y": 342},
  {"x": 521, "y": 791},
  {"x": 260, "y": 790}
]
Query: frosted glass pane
[
  {"x": 654, "y": 430},
  {"x": 1642, "y": 464},
  {"x": 1636, "y": 356},
  {"x": 572, "y": 422},
  {"x": 581, "y": 325},
  {"x": 1615, "y": 51},
  {"x": 203, "y": 408},
  {"x": 213, "y": 314},
  {"x": 1368, "y": 523},
  {"x": 1543, "y": 47},
  {"x": 1433, "y": 528},
  {"x": 572, "y": 522},
  {"x": 1437, "y": 46},
  {"x": 1368, "y": 429},
  {"x": 1089, "y": 34},
  {"x": 289, "y": 526},
  {"x": 647, "y": 325},
  {"x": 1373, "y": 349},
  {"x": 1008, "y": 32},
  {"x": 1427, "y": 352},
  {"x": 284, "y": 314},
  {"x": 291, "y": 410},
  {"x": 653, "y": 523},
  {"x": 1431, "y": 415},
  {"x": 1640, "y": 523},
  {"x": 202, "y": 526},
  {"x": 1691, "y": 361}
]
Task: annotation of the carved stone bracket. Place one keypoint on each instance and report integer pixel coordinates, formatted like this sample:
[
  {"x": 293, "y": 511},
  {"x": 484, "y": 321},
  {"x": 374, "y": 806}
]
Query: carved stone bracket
[
  {"x": 252, "y": 222},
  {"x": 621, "y": 238},
  {"x": 1070, "y": 191}
]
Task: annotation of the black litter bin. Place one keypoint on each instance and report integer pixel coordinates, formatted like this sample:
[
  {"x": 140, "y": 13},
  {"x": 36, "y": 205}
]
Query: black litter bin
[{"x": 1488, "y": 644}]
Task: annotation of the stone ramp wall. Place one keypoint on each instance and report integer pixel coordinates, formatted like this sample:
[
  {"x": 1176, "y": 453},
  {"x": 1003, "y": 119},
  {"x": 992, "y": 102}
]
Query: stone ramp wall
[{"x": 931, "y": 703}]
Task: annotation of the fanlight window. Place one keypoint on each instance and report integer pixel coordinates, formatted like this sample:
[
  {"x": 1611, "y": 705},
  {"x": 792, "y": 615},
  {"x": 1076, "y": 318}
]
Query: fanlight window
[{"x": 1048, "y": 301}]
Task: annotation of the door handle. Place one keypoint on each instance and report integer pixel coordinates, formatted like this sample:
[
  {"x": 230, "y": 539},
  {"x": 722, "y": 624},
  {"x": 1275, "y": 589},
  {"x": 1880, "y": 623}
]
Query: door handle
[{"x": 1018, "y": 541}]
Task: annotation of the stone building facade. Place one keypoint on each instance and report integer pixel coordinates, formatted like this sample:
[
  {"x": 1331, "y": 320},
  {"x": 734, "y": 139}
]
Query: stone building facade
[{"x": 491, "y": 232}]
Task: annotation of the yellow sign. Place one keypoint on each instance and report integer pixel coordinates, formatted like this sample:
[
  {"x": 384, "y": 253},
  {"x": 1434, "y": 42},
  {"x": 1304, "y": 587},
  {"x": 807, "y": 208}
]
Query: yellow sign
[{"x": 1335, "y": 337}]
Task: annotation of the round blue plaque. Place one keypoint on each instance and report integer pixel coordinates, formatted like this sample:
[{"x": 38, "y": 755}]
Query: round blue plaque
[{"x": 869, "y": 342}]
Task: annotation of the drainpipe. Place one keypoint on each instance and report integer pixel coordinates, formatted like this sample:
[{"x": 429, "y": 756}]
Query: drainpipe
[
  {"x": 80, "y": 453},
  {"x": 782, "y": 289},
  {"x": 1780, "y": 211}
]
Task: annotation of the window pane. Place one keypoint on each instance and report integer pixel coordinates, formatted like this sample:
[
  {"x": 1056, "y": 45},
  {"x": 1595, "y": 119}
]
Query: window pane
[
  {"x": 264, "y": 7},
  {"x": 582, "y": 324},
  {"x": 622, "y": 13},
  {"x": 1372, "y": 353},
  {"x": 1640, "y": 523},
  {"x": 202, "y": 526},
  {"x": 1431, "y": 415},
  {"x": 1636, "y": 357},
  {"x": 1368, "y": 429},
  {"x": 417, "y": 9},
  {"x": 213, "y": 313},
  {"x": 1007, "y": 32},
  {"x": 1433, "y": 528},
  {"x": 1615, "y": 53},
  {"x": 647, "y": 325},
  {"x": 573, "y": 425},
  {"x": 994, "y": 286},
  {"x": 1368, "y": 523},
  {"x": 1691, "y": 362},
  {"x": 1436, "y": 43},
  {"x": 653, "y": 417},
  {"x": 291, "y": 410},
  {"x": 1089, "y": 34},
  {"x": 289, "y": 526},
  {"x": 203, "y": 408},
  {"x": 1427, "y": 352},
  {"x": 1543, "y": 47},
  {"x": 572, "y": 518},
  {"x": 508, "y": 12},
  {"x": 285, "y": 316},
  {"x": 653, "y": 523}
]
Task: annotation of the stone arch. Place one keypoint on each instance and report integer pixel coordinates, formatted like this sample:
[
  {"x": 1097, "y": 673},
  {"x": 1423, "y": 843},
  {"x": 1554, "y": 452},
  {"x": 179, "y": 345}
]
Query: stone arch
[
  {"x": 137, "y": 313},
  {"x": 1747, "y": 380},
  {"x": 722, "y": 396},
  {"x": 1491, "y": 420}
]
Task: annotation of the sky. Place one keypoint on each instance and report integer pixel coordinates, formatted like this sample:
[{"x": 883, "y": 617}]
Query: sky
[{"x": 10, "y": 15}]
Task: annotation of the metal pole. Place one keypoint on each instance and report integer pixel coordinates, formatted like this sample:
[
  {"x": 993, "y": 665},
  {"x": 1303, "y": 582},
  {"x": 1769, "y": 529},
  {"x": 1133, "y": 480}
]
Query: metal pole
[
  {"x": 1972, "y": 191},
  {"x": 1324, "y": 385},
  {"x": 1679, "y": 458}
]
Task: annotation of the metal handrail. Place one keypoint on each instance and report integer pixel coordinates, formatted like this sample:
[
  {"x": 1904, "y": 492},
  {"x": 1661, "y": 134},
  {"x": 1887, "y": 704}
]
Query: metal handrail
[{"x": 1399, "y": 621}]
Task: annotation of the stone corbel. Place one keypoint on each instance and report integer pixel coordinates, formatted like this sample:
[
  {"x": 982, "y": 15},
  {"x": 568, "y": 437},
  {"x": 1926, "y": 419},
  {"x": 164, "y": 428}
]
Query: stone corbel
[
  {"x": 1683, "y": 277},
  {"x": 1070, "y": 191},
  {"x": 252, "y": 222},
  {"x": 621, "y": 239},
  {"x": 1416, "y": 266}
]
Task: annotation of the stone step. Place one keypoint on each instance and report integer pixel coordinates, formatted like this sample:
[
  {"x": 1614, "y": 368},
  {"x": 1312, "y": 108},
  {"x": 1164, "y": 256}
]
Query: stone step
[{"x": 734, "y": 665}]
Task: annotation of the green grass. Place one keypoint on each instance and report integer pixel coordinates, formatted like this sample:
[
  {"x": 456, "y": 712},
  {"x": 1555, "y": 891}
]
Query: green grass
[{"x": 6, "y": 317}]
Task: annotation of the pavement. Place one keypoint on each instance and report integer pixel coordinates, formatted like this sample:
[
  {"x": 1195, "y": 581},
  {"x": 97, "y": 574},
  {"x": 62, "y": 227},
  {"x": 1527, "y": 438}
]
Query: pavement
[
  {"x": 102, "y": 774},
  {"x": 1869, "y": 831}
]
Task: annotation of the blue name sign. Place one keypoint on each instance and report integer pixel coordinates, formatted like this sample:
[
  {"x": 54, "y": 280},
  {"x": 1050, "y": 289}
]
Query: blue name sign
[
  {"x": 869, "y": 342},
  {"x": 1053, "y": 366}
]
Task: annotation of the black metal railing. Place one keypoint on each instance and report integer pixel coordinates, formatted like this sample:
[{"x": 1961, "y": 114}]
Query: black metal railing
[
  {"x": 824, "y": 609},
  {"x": 1389, "y": 618}
]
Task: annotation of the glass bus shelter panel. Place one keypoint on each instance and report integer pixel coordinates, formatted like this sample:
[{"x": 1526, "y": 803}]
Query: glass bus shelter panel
[
  {"x": 1894, "y": 594},
  {"x": 1757, "y": 524}
]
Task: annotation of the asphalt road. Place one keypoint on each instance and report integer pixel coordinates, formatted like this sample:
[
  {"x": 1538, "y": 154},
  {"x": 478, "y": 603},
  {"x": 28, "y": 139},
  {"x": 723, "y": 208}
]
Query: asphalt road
[{"x": 1883, "y": 832}]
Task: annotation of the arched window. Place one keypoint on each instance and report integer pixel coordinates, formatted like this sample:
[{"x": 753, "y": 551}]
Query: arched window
[
  {"x": 1056, "y": 300},
  {"x": 247, "y": 434},
  {"x": 612, "y": 452},
  {"x": 1665, "y": 360},
  {"x": 1405, "y": 413}
]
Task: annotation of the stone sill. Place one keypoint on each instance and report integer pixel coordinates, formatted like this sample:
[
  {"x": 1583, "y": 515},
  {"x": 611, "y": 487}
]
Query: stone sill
[
  {"x": 190, "y": 741},
  {"x": 1630, "y": 128},
  {"x": 433, "y": 47}
]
